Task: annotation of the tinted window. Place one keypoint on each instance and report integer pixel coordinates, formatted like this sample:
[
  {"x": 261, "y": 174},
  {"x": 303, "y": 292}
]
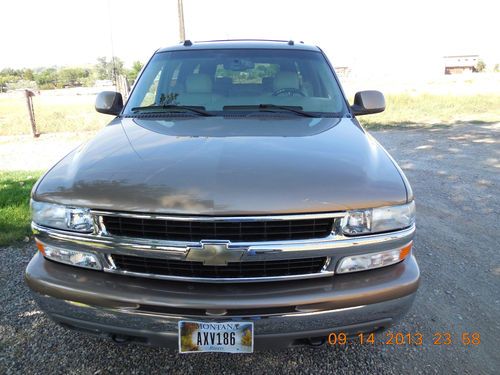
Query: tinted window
[{"x": 215, "y": 79}]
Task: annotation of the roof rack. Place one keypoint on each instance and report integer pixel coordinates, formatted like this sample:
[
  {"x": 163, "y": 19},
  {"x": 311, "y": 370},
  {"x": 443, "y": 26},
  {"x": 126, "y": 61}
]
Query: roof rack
[
  {"x": 245, "y": 40},
  {"x": 187, "y": 43}
]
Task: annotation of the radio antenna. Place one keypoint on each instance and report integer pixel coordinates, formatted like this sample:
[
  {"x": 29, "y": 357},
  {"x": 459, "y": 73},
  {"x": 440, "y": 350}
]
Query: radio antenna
[{"x": 113, "y": 65}]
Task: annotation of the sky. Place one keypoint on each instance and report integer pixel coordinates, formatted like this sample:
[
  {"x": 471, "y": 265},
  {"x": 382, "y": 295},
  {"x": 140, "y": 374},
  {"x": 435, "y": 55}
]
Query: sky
[{"x": 370, "y": 36}]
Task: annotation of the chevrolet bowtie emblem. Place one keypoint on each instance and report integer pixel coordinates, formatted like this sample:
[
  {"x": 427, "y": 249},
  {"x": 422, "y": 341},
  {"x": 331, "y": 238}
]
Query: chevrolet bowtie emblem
[{"x": 215, "y": 253}]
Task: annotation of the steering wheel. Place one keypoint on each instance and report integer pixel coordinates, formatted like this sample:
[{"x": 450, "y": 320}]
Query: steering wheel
[{"x": 289, "y": 91}]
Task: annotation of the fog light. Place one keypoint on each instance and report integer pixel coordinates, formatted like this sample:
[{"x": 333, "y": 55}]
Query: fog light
[
  {"x": 370, "y": 261},
  {"x": 71, "y": 257}
]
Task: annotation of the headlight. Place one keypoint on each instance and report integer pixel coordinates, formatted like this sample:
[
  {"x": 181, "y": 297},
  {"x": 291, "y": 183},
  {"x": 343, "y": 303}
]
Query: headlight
[
  {"x": 376, "y": 220},
  {"x": 61, "y": 217}
]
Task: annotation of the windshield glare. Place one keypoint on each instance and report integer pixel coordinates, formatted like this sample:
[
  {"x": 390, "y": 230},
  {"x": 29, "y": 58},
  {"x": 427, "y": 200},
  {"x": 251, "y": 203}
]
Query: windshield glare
[{"x": 217, "y": 80}]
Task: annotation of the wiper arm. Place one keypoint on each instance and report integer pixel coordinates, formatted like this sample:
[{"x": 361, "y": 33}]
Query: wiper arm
[
  {"x": 267, "y": 107},
  {"x": 184, "y": 108},
  {"x": 286, "y": 108}
]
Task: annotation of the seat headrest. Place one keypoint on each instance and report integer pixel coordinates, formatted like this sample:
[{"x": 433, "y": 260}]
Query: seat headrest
[
  {"x": 198, "y": 84},
  {"x": 286, "y": 80},
  {"x": 267, "y": 82},
  {"x": 225, "y": 80}
]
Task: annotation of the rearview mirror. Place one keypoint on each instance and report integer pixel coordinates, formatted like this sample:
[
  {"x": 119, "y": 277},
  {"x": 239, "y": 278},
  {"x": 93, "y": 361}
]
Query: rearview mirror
[
  {"x": 109, "y": 103},
  {"x": 367, "y": 102}
]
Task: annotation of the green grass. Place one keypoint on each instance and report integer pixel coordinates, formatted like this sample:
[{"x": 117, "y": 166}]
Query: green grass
[
  {"x": 425, "y": 109},
  {"x": 15, "y": 190}
]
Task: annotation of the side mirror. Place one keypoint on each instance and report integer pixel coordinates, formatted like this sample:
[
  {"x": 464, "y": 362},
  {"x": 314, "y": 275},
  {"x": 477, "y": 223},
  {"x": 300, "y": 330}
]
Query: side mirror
[
  {"x": 109, "y": 103},
  {"x": 367, "y": 102}
]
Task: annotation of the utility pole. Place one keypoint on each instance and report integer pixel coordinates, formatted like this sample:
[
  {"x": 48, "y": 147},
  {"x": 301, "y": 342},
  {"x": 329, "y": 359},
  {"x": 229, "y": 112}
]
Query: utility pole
[{"x": 182, "y": 31}]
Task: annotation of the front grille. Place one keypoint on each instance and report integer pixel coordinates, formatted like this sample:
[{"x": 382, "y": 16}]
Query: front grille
[
  {"x": 269, "y": 268},
  {"x": 243, "y": 231}
]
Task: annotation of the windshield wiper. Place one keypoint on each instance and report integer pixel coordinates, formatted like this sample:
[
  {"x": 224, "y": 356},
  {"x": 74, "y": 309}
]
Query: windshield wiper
[
  {"x": 270, "y": 108},
  {"x": 181, "y": 108}
]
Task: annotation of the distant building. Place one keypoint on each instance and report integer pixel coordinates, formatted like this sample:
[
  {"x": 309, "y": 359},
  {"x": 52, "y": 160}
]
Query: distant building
[
  {"x": 460, "y": 64},
  {"x": 342, "y": 71},
  {"x": 103, "y": 82}
]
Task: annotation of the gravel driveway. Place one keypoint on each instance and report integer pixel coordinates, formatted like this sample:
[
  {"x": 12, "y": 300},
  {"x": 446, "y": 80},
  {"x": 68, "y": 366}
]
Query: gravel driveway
[{"x": 455, "y": 175}]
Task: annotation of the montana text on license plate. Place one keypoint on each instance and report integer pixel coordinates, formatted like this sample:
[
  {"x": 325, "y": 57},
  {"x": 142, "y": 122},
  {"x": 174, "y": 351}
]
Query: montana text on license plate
[{"x": 226, "y": 337}]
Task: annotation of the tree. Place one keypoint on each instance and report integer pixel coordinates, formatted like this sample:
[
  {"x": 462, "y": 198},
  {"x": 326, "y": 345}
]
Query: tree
[
  {"x": 134, "y": 72},
  {"x": 28, "y": 75},
  {"x": 71, "y": 77},
  {"x": 11, "y": 72},
  {"x": 59, "y": 77},
  {"x": 47, "y": 79},
  {"x": 3, "y": 83},
  {"x": 109, "y": 69},
  {"x": 102, "y": 68},
  {"x": 480, "y": 66},
  {"x": 16, "y": 78}
]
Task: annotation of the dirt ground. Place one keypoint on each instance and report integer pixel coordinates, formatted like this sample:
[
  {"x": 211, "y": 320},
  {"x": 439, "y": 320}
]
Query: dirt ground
[
  {"x": 455, "y": 175},
  {"x": 26, "y": 153}
]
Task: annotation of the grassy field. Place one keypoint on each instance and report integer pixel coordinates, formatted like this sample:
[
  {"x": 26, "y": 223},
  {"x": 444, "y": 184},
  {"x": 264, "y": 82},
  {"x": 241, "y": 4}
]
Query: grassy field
[
  {"x": 15, "y": 190},
  {"x": 408, "y": 110},
  {"x": 52, "y": 114},
  {"x": 75, "y": 113}
]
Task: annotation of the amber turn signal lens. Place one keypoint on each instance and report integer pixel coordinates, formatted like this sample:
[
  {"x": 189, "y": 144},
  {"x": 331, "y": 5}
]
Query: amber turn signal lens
[
  {"x": 403, "y": 253},
  {"x": 363, "y": 262},
  {"x": 40, "y": 247}
]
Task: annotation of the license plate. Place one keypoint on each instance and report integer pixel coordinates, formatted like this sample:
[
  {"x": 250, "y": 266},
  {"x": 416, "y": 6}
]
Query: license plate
[{"x": 227, "y": 337}]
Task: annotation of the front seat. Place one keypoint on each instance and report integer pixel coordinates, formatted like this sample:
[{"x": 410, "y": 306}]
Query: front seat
[
  {"x": 222, "y": 86},
  {"x": 198, "y": 90},
  {"x": 286, "y": 80}
]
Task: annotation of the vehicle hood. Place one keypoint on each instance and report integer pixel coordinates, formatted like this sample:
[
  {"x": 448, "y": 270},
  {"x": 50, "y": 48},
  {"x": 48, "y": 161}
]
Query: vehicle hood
[{"x": 226, "y": 166}]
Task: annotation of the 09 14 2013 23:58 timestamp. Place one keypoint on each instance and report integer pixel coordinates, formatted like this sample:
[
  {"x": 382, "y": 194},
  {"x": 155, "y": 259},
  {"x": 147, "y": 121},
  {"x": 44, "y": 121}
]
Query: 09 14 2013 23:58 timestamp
[{"x": 401, "y": 338}]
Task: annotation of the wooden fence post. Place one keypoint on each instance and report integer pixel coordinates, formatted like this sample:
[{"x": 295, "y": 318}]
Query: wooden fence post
[
  {"x": 31, "y": 111},
  {"x": 122, "y": 86}
]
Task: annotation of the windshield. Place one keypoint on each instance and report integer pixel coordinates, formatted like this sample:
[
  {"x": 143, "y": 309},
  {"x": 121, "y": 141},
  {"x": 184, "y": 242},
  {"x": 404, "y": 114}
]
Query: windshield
[{"x": 243, "y": 80}]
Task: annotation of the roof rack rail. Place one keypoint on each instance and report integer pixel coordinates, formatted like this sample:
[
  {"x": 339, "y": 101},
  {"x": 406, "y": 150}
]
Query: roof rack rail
[
  {"x": 291, "y": 43},
  {"x": 187, "y": 43},
  {"x": 243, "y": 40}
]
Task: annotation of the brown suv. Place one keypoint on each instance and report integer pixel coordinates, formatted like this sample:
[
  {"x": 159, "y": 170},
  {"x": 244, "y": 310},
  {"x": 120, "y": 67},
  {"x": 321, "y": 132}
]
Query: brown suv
[{"x": 234, "y": 200}]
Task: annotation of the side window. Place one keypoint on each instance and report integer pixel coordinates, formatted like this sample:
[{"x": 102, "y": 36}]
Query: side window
[
  {"x": 175, "y": 76},
  {"x": 150, "y": 96},
  {"x": 325, "y": 91},
  {"x": 171, "y": 86},
  {"x": 313, "y": 80},
  {"x": 299, "y": 74},
  {"x": 165, "y": 87}
]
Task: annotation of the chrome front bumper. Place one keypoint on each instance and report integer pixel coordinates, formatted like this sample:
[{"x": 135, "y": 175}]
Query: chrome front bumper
[
  {"x": 109, "y": 305},
  {"x": 334, "y": 247}
]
